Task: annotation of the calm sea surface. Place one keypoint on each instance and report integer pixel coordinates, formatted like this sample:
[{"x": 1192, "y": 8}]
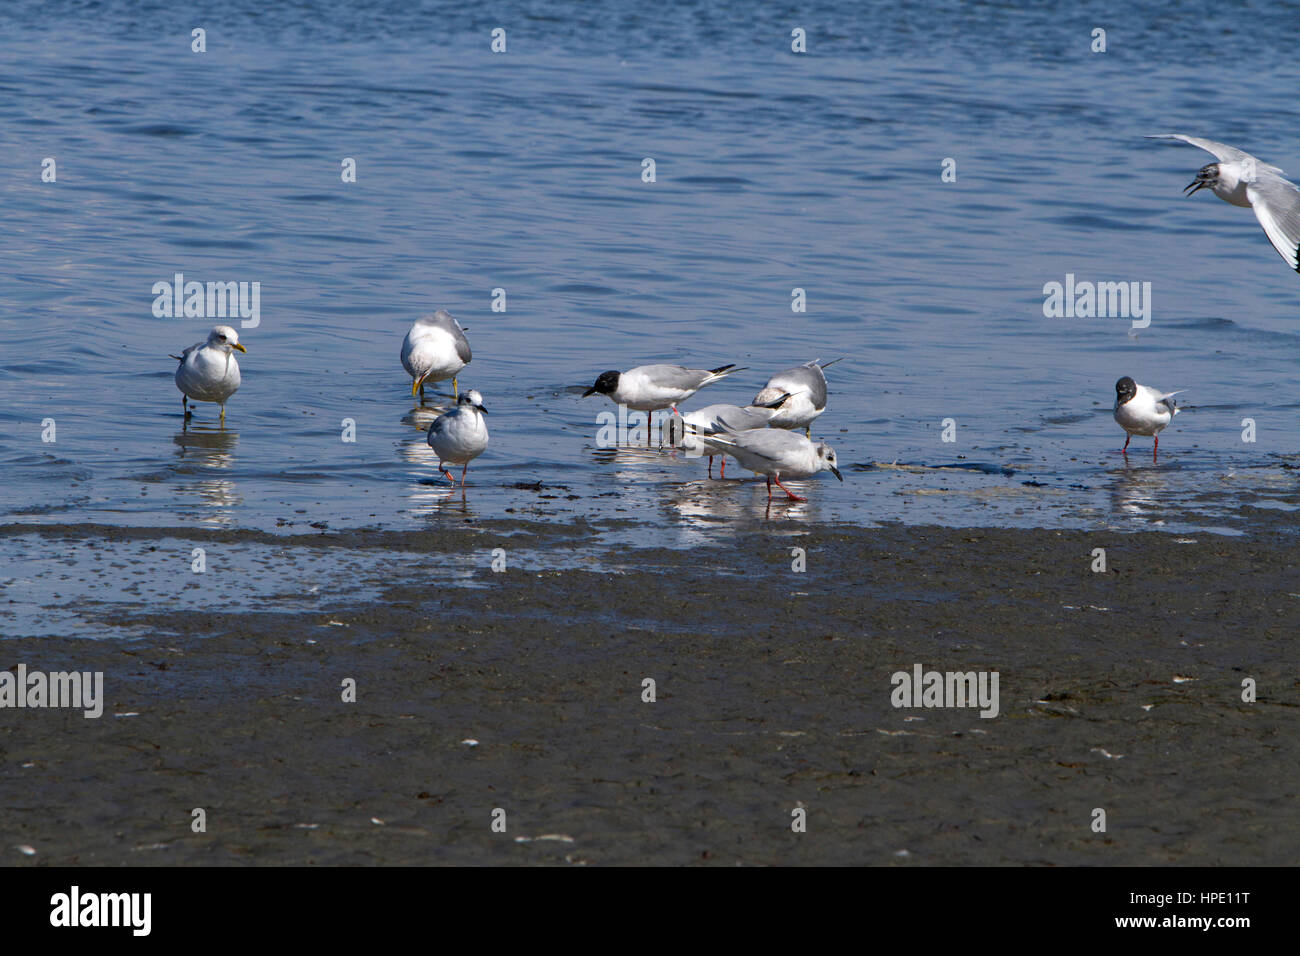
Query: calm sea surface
[{"x": 523, "y": 171}]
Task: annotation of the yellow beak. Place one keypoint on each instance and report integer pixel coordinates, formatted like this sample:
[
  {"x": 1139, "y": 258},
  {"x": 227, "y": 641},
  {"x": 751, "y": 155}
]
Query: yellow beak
[
  {"x": 415, "y": 384},
  {"x": 240, "y": 347}
]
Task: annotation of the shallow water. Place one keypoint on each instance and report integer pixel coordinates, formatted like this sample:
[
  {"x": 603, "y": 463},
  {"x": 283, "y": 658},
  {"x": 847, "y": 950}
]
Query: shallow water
[{"x": 522, "y": 171}]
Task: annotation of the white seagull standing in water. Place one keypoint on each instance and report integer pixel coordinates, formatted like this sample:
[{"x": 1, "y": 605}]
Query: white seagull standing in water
[
  {"x": 774, "y": 453},
  {"x": 649, "y": 388},
  {"x": 715, "y": 419},
  {"x": 460, "y": 435},
  {"x": 208, "y": 371},
  {"x": 1243, "y": 180},
  {"x": 1141, "y": 410},
  {"x": 435, "y": 350},
  {"x": 807, "y": 387}
]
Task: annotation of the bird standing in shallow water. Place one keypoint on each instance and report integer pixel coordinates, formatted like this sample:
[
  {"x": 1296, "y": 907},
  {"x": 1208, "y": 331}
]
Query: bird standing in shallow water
[
  {"x": 650, "y": 388},
  {"x": 435, "y": 350},
  {"x": 774, "y": 453},
  {"x": 208, "y": 371},
  {"x": 460, "y": 435},
  {"x": 713, "y": 419},
  {"x": 1141, "y": 410}
]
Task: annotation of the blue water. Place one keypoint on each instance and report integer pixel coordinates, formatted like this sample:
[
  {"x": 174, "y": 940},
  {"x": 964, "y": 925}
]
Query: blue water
[{"x": 522, "y": 171}]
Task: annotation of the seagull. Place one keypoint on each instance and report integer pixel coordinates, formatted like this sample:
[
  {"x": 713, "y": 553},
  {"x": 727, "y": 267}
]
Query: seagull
[
  {"x": 1141, "y": 410},
  {"x": 807, "y": 387},
  {"x": 208, "y": 371},
  {"x": 435, "y": 350},
  {"x": 773, "y": 453},
  {"x": 714, "y": 419},
  {"x": 460, "y": 435},
  {"x": 649, "y": 388},
  {"x": 1243, "y": 180}
]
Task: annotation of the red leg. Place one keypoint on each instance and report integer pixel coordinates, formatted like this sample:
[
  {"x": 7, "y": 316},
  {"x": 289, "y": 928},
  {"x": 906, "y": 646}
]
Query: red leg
[
  {"x": 1124, "y": 450},
  {"x": 463, "y": 472},
  {"x": 769, "y": 488},
  {"x": 789, "y": 494},
  {"x": 1155, "y": 453},
  {"x": 448, "y": 475},
  {"x": 724, "y": 466}
]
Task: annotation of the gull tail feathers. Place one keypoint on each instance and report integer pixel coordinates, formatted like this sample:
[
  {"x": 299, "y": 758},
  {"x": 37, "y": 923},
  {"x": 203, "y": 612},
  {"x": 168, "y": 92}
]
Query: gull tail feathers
[{"x": 721, "y": 372}]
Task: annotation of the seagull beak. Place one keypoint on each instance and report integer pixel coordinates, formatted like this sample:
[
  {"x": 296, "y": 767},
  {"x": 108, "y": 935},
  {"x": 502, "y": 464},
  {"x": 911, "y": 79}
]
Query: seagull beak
[
  {"x": 240, "y": 347},
  {"x": 836, "y": 472},
  {"x": 481, "y": 409},
  {"x": 415, "y": 384},
  {"x": 590, "y": 391},
  {"x": 1193, "y": 186}
]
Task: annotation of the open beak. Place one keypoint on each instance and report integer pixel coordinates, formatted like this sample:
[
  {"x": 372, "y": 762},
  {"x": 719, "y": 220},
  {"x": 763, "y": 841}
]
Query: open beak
[
  {"x": 1193, "y": 186},
  {"x": 836, "y": 472},
  {"x": 240, "y": 347}
]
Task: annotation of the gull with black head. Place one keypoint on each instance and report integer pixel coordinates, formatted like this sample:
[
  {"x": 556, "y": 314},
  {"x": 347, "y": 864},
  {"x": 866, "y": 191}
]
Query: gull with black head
[
  {"x": 650, "y": 388},
  {"x": 1142, "y": 410},
  {"x": 1242, "y": 180}
]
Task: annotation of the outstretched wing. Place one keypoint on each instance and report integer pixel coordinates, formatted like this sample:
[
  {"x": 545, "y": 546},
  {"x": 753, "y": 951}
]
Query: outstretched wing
[
  {"x": 1276, "y": 203},
  {"x": 1221, "y": 151}
]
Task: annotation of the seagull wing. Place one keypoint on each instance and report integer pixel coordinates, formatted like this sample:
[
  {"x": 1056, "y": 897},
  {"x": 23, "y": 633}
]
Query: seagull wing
[
  {"x": 439, "y": 425},
  {"x": 1221, "y": 151},
  {"x": 802, "y": 378},
  {"x": 769, "y": 444},
  {"x": 1164, "y": 398},
  {"x": 1276, "y": 202},
  {"x": 185, "y": 353},
  {"x": 463, "y": 350},
  {"x": 673, "y": 376}
]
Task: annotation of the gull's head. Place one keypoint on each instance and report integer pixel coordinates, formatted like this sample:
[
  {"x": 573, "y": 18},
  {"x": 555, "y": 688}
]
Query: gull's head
[
  {"x": 224, "y": 338},
  {"x": 473, "y": 399},
  {"x": 826, "y": 455},
  {"x": 606, "y": 384},
  {"x": 1205, "y": 176},
  {"x": 1125, "y": 389}
]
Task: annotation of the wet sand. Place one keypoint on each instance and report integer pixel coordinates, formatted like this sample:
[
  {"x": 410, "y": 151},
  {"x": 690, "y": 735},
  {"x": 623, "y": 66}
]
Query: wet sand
[{"x": 1119, "y": 690}]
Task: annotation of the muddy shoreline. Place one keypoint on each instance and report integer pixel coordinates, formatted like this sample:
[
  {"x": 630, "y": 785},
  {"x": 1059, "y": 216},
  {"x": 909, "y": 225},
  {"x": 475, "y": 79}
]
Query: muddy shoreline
[{"x": 1120, "y": 690}]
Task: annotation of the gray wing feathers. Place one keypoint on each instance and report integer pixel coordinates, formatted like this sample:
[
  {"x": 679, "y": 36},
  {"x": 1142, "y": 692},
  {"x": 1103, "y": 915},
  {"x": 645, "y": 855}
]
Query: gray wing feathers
[
  {"x": 807, "y": 377},
  {"x": 768, "y": 443},
  {"x": 185, "y": 353},
  {"x": 674, "y": 376},
  {"x": 1276, "y": 203},
  {"x": 1221, "y": 151}
]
